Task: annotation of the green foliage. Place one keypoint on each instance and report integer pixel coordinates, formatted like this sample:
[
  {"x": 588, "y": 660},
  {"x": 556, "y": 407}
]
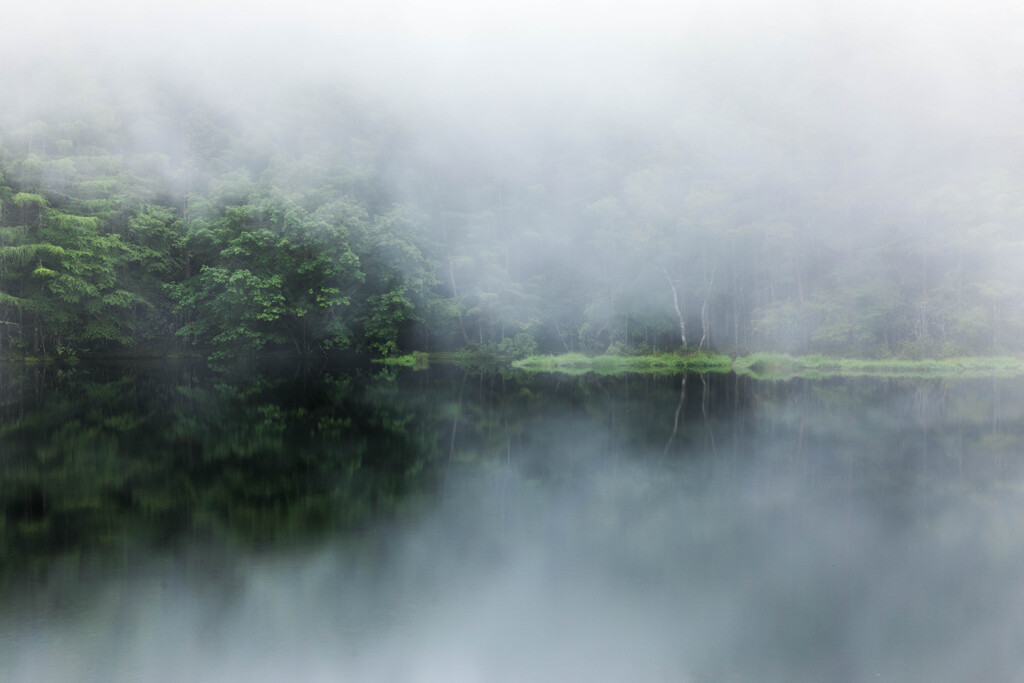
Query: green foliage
[
  {"x": 63, "y": 272},
  {"x": 24, "y": 199},
  {"x": 275, "y": 275},
  {"x": 21, "y": 254},
  {"x": 386, "y": 314},
  {"x": 520, "y": 346}
]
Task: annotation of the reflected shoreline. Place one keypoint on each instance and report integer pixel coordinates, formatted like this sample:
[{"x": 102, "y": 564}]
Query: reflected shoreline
[{"x": 493, "y": 527}]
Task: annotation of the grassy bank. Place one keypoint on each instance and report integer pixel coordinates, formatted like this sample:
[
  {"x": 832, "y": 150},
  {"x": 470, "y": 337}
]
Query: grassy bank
[{"x": 662, "y": 363}]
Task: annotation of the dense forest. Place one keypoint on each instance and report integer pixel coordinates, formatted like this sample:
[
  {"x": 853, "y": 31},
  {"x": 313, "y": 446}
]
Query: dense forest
[{"x": 158, "y": 218}]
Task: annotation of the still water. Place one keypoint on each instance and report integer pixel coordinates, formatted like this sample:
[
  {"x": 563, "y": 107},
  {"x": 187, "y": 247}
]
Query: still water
[{"x": 174, "y": 523}]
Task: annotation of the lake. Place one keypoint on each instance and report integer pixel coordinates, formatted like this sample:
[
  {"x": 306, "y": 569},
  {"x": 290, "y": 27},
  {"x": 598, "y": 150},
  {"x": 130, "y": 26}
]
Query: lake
[{"x": 170, "y": 522}]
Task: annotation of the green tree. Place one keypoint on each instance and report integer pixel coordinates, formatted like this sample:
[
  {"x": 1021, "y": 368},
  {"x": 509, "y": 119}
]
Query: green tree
[{"x": 277, "y": 276}]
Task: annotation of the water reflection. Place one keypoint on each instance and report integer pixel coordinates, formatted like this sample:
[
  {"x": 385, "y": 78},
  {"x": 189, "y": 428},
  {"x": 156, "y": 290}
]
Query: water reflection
[
  {"x": 116, "y": 456},
  {"x": 172, "y": 524}
]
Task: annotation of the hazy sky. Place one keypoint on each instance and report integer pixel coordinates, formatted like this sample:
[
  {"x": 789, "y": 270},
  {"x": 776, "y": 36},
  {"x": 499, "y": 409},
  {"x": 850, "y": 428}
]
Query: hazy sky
[
  {"x": 416, "y": 29},
  {"x": 877, "y": 71}
]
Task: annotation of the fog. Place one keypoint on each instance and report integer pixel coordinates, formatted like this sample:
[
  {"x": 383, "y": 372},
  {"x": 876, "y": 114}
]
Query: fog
[
  {"x": 807, "y": 540},
  {"x": 795, "y": 70},
  {"x": 835, "y": 178},
  {"x": 813, "y": 177}
]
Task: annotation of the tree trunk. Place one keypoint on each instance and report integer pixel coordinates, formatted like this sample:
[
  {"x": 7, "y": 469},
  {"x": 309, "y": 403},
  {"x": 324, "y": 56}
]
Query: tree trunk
[
  {"x": 704, "y": 322},
  {"x": 675, "y": 302}
]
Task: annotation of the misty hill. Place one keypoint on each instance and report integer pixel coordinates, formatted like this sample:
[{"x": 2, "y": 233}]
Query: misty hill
[{"x": 819, "y": 193}]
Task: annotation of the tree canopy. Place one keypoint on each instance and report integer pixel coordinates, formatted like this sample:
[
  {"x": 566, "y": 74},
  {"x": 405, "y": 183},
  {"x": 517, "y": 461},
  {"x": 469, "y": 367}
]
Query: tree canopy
[{"x": 172, "y": 224}]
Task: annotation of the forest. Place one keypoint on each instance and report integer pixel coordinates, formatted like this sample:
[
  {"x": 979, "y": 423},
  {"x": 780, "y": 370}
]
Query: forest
[
  {"x": 486, "y": 340},
  {"x": 308, "y": 217}
]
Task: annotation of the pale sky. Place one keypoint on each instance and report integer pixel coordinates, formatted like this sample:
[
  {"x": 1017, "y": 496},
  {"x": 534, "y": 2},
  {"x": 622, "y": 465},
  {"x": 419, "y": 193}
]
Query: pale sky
[{"x": 966, "y": 56}]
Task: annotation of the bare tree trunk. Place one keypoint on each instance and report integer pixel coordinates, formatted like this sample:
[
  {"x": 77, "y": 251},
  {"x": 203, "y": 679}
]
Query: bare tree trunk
[
  {"x": 704, "y": 326},
  {"x": 675, "y": 302},
  {"x": 561, "y": 338}
]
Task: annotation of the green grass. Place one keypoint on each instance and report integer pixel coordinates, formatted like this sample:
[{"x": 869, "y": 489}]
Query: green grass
[{"x": 662, "y": 363}]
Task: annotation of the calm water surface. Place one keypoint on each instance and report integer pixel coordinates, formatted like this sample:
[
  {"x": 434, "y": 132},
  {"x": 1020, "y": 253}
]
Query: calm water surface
[{"x": 172, "y": 523}]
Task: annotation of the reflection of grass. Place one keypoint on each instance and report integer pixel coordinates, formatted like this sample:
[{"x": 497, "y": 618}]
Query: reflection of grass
[
  {"x": 416, "y": 359},
  {"x": 782, "y": 366},
  {"x": 769, "y": 366},
  {"x": 662, "y": 363},
  {"x": 775, "y": 365}
]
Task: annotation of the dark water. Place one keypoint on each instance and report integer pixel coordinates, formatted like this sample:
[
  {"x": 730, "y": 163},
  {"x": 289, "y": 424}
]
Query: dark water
[{"x": 170, "y": 523}]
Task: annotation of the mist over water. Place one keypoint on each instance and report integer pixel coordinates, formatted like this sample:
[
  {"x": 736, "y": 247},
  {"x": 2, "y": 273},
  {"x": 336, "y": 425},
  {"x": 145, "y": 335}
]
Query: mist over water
[
  {"x": 838, "y": 530},
  {"x": 834, "y": 178}
]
